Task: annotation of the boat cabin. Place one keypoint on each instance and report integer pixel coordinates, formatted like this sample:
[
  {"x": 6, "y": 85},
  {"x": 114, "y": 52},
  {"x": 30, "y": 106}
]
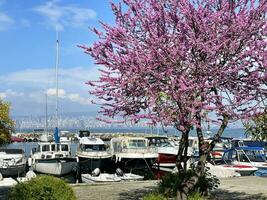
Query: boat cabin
[
  {"x": 89, "y": 144},
  {"x": 159, "y": 141},
  {"x": 52, "y": 150},
  {"x": 245, "y": 154},
  {"x": 126, "y": 143}
]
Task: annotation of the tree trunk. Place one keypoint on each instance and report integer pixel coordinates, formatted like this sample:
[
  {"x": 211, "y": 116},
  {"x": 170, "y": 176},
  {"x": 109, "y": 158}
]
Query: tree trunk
[
  {"x": 180, "y": 155},
  {"x": 204, "y": 151}
]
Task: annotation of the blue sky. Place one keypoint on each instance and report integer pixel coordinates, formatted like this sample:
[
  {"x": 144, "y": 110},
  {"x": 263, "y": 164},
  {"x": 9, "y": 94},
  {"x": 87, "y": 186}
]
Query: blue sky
[{"x": 27, "y": 38}]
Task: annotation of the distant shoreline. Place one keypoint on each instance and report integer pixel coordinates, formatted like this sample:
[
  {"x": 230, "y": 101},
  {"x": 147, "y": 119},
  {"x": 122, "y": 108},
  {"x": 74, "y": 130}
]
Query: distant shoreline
[{"x": 229, "y": 132}]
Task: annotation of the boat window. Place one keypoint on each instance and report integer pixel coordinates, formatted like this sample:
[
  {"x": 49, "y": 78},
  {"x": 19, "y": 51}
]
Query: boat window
[
  {"x": 255, "y": 155},
  {"x": 137, "y": 143},
  {"x": 100, "y": 147},
  {"x": 64, "y": 147},
  {"x": 242, "y": 156},
  {"x": 53, "y": 147},
  {"x": 48, "y": 156},
  {"x": 226, "y": 155},
  {"x": 45, "y": 148},
  {"x": 117, "y": 146},
  {"x": 58, "y": 155}
]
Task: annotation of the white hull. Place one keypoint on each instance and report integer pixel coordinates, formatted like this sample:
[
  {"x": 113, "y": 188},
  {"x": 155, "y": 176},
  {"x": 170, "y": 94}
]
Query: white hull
[
  {"x": 87, "y": 178},
  {"x": 54, "y": 167}
]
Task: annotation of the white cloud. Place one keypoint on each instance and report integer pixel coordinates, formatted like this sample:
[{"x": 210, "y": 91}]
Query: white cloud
[
  {"x": 10, "y": 93},
  {"x": 5, "y": 21},
  {"x": 27, "y": 88},
  {"x": 79, "y": 99},
  {"x": 3, "y": 95},
  {"x": 61, "y": 16},
  {"x": 74, "y": 97},
  {"x": 52, "y": 92},
  {"x": 71, "y": 78}
]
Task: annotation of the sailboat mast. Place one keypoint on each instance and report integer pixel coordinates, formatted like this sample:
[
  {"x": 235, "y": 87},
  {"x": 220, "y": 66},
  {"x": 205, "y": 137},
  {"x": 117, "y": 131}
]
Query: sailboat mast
[
  {"x": 57, "y": 61},
  {"x": 46, "y": 124}
]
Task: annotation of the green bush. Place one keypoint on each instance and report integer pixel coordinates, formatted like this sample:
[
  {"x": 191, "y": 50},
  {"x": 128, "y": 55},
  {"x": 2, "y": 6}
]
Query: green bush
[
  {"x": 154, "y": 196},
  {"x": 42, "y": 188},
  {"x": 195, "y": 196},
  {"x": 171, "y": 183}
]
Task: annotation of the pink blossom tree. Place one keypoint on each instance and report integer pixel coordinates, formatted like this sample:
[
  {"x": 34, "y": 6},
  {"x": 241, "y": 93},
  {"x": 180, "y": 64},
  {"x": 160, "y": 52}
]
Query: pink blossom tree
[{"x": 174, "y": 61}]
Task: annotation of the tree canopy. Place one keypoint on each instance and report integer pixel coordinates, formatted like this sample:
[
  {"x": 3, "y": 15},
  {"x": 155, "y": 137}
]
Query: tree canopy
[
  {"x": 257, "y": 127},
  {"x": 172, "y": 62},
  {"x": 6, "y": 123}
]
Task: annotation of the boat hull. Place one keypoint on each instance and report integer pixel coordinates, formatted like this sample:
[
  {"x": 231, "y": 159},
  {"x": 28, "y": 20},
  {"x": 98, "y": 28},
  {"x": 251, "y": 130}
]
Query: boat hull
[
  {"x": 87, "y": 164},
  {"x": 135, "y": 165},
  {"x": 15, "y": 170},
  {"x": 56, "y": 167}
]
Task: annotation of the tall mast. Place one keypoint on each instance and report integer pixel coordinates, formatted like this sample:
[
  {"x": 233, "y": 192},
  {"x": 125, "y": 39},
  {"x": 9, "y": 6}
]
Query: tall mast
[
  {"x": 57, "y": 61},
  {"x": 46, "y": 124}
]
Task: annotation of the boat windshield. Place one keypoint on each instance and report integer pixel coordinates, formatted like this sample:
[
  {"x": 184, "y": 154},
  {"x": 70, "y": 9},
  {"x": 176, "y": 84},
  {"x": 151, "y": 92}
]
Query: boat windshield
[
  {"x": 90, "y": 147},
  {"x": 137, "y": 144},
  {"x": 255, "y": 155},
  {"x": 159, "y": 142}
]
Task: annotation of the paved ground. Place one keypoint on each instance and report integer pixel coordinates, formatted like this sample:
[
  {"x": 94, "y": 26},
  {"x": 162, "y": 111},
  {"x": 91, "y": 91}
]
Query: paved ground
[
  {"x": 241, "y": 188},
  {"x": 115, "y": 191}
]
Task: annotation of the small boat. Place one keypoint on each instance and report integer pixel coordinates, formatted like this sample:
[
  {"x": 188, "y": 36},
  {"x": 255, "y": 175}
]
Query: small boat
[
  {"x": 222, "y": 171},
  {"x": 167, "y": 153},
  {"x": 53, "y": 158},
  {"x": 7, "y": 182},
  {"x": 29, "y": 175},
  {"x": 246, "y": 160},
  {"x": 101, "y": 178},
  {"x": 14, "y": 138},
  {"x": 12, "y": 162},
  {"x": 128, "y": 176}
]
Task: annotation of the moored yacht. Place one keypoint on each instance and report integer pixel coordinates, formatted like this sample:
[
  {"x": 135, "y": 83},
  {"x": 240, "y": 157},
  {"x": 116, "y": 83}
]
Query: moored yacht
[
  {"x": 52, "y": 158},
  {"x": 93, "y": 153},
  {"x": 132, "y": 153},
  {"x": 12, "y": 162}
]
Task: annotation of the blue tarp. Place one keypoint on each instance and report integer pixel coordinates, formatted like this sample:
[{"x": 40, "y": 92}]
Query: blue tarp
[{"x": 56, "y": 135}]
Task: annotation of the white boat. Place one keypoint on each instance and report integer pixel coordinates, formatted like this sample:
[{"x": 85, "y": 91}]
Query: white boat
[
  {"x": 221, "y": 171},
  {"x": 167, "y": 153},
  {"x": 7, "y": 182},
  {"x": 101, "y": 178},
  {"x": 12, "y": 162},
  {"x": 92, "y": 153},
  {"x": 29, "y": 175},
  {"x": 132, "y": 153},
  {"x": 246, "y": 160},
  {"x": 53, "y": 158}
]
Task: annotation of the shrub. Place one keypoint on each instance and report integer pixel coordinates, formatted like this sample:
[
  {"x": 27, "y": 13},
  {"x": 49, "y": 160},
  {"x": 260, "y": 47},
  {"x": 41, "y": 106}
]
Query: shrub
[
  {"x": 42, "y": 188},
  {"x": 154, "y": 196},
  {"x": 195, "y": 196},
  {"x": 171, "y": 183}
]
